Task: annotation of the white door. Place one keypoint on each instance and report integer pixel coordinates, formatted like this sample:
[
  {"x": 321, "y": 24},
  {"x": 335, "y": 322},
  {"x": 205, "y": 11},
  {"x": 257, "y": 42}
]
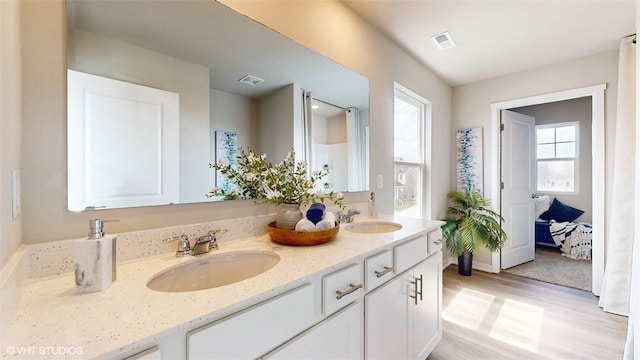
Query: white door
[
  {"x": 111, "y": 122},
  {"x": 518, "y": 178}
]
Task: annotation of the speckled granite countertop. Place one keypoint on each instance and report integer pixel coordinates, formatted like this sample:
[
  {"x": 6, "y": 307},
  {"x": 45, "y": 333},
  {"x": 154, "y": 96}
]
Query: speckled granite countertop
[{"x": 116, "y": 321}]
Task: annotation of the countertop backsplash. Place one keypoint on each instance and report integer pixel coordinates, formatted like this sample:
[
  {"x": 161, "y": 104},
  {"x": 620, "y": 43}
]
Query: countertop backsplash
[{"x": 57, "y": 257}]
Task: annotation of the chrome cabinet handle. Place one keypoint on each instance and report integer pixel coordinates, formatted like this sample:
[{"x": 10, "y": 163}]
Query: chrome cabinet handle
[
  {"x": 352, "y": 288},
  {"x": 437, "y": 242},
  {"x": 418, "y": 293},
  {"x": 382, "y": 273}
]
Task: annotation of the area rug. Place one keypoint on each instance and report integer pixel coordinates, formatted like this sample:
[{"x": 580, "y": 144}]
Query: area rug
[{"x": 550, "y": 266}]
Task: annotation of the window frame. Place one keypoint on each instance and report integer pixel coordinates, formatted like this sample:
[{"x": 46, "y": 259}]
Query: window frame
[
  {"x": 421, "y": 164},
  {"x": 575, "y": 159}
]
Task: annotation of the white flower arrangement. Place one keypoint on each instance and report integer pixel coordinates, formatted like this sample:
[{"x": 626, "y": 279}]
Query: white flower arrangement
[{"x": 288, "y": 182}]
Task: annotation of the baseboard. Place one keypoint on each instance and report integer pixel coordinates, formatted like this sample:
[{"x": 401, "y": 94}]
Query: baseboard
[{"x": 451, "y": 260}]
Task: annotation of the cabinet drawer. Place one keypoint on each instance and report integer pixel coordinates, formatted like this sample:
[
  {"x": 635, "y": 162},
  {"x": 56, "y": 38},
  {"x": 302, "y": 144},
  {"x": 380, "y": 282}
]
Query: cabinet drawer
[
  {"x": 341, "y": 288},
  {"x": 149, "y": 354},
  {"x": 410, "y": 253},
  {"x": 378, "y": 269},
  {"x": 435, "y": 241},
  {"x": 256, "y": 330}
]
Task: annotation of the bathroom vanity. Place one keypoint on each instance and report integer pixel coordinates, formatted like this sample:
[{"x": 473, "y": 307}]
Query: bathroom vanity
[{"x": 376, "y": 295}]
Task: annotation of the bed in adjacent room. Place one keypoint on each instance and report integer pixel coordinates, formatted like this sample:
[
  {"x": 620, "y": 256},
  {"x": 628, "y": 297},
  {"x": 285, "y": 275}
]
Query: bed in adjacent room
[{"x": 555, "y": 226}]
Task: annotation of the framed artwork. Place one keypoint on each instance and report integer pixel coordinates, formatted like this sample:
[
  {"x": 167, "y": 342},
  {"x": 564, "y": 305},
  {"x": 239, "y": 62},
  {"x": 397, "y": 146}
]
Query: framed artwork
[
  {"x": 469, "y": 160},
  {"x": 226, "y": 148}
]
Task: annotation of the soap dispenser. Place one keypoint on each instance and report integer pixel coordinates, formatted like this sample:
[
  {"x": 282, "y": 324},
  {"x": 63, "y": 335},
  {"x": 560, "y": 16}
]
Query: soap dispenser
[
  {"x": 95, "y": 259},
  {"x": 373, "y": 212}
]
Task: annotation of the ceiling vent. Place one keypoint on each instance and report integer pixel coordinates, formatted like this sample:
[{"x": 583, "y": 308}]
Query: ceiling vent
[
  {"x": 251, "y": 80},
  {"x": 444, "y": 41}
]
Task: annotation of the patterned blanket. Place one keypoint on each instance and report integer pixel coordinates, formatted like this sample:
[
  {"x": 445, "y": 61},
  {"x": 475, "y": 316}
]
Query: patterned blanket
[{"x": 573, "y": 238}]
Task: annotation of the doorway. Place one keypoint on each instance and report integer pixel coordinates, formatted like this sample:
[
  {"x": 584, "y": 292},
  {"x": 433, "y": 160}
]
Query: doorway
[{"x": 596, "y": 93}]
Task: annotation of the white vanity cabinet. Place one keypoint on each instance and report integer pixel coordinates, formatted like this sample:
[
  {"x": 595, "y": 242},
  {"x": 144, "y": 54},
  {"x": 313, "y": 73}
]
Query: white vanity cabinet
[
  {"x": 149, "y": 354},
  {"x": 403, "y": 316},
  {"x": 427, "y": 309},
  {"x": 337, "y": 337},
  {"x": 252, "y": 332},
  {"x": 386, "y": 305}
]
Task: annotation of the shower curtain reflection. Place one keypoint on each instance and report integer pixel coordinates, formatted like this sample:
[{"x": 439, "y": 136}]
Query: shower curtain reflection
[{"x": 335, "y": 142}]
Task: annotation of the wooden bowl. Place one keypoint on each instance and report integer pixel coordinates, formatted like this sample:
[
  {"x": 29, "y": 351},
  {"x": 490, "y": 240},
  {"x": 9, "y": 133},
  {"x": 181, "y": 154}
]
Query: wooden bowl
[{"x": 301, "y": 238}]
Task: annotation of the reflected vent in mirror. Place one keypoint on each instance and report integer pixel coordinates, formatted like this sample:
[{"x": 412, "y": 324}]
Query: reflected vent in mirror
[{"x": 251, "y": 80}]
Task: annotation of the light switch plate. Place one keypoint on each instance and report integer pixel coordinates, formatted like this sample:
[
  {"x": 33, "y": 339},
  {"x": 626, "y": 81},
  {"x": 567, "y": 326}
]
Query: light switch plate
[
  {"x": 15, "y": 193},
  {"x": 380, "y": 181}
]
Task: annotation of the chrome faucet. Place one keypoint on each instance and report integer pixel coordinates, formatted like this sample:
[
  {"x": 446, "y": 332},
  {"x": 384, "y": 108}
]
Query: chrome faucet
[
  {"x": 203, "y": 244},
  {"x": 348, "y": 217}
]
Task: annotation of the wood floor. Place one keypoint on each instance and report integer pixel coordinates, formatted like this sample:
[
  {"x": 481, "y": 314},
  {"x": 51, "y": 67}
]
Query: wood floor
[{"x": 504, "y": 316}]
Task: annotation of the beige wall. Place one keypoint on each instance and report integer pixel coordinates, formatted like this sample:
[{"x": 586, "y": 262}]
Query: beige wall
[
  {"x": 472, "y": 101},
  {"x": 10, "y": 124},
  {"x": 231, "y": 112},
  {"x": 278, "y": 114},
  {"x": 349, "y": 41}
]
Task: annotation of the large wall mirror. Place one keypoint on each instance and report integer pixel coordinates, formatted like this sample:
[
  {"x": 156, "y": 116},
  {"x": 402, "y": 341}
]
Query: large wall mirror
[{"x": 156, "y": 89}]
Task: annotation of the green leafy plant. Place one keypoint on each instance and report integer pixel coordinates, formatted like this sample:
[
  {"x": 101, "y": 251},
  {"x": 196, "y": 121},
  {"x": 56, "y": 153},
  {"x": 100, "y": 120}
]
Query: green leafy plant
[
  {"x": 471, "y": 224},
  {"x": 288, "y": 182}
]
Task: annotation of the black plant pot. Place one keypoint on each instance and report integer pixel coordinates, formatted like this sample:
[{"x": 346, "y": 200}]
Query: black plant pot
[{"x": 465, "y": 263}]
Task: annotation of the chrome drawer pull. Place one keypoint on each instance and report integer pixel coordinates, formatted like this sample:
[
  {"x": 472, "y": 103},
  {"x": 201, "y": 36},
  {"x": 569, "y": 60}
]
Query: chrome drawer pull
[
  {"x": 418, "y": 293},
  {"x": 382, "y": 273},
  {"x": 438, "y": 242},
  {"x": 352, "y": 288}
]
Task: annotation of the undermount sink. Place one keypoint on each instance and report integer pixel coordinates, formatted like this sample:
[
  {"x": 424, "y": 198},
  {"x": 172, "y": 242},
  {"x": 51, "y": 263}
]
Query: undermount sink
[
  {"x": 373, "y": 227},
  {"x": 213, "y": 271}
]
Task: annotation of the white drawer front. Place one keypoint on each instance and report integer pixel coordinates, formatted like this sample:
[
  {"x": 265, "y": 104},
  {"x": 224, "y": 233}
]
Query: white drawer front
[
  {"x": 411, "y": 253},
  {"x": 252, "y": 332},
  {"x": 378, "y": 269},
  {"x": 341, "y": 288},
  {"x": 435, "y": 241}
]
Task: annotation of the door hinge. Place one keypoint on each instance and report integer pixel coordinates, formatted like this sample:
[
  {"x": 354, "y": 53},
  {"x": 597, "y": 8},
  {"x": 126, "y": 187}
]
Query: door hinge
[
  {"x": 501, "y": 127},
  {"x": 501, "y": 186}
]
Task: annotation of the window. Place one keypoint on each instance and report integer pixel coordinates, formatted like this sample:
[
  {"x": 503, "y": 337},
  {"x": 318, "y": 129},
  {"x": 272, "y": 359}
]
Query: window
[
  {"x": 557, "y": 157},
  {"x": 410, "y": 112}
]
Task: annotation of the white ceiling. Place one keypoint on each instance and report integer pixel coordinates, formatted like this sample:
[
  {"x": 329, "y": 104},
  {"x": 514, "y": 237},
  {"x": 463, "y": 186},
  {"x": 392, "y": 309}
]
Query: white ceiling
[{"x": 496, "y": 38}]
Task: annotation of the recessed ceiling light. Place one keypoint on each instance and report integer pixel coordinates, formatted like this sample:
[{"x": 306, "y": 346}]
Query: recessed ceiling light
[
  {"x": 251, "y": 80},
  {"x": 444, "y": 41}
]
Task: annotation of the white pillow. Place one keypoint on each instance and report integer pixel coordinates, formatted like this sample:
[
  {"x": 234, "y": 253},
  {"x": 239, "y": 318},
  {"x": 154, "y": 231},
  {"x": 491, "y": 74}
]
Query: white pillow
[{"x": 542, "y": 204}]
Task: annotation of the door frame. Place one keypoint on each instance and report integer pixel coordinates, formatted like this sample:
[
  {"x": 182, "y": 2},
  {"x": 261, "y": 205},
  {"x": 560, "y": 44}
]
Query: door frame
[{"x": 596, "y": 92}]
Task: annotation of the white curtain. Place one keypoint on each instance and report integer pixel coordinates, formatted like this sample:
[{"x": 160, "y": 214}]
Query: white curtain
[
  {"x": 616, "y": 285},
  {"x": 633, "y": 334},
  {"x": 354, "y": 152}
]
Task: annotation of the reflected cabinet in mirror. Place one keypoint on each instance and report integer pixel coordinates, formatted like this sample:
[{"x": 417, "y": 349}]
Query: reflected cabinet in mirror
[{"x": 158, "y": 91}]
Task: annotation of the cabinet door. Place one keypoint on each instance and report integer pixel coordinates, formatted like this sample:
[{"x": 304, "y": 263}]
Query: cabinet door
[
  {"x": 426, "y": 322},
  {"x": 338, "y": 337},
  {"x": 386, "y": 319}
]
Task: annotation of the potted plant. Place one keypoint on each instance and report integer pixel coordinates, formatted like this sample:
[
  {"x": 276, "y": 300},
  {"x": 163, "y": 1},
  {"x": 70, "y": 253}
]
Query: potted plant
[
  {"x": 471, "y": 224},
  {"x": 288, "y": 184}
]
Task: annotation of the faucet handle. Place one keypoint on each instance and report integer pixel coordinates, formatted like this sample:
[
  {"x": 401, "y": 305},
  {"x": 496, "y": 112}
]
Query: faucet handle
[
  {"x": 211, "y": 238},
  {"x": 184, "y": 248}
]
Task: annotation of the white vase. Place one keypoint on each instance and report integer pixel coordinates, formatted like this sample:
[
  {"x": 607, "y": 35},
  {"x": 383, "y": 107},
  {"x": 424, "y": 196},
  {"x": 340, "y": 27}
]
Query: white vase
[{"x": 288, "y": 216}]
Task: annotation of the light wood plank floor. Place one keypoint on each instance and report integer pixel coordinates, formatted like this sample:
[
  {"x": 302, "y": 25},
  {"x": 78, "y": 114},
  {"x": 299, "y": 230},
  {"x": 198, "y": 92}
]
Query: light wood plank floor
[{"x": 504, "y": 316}]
